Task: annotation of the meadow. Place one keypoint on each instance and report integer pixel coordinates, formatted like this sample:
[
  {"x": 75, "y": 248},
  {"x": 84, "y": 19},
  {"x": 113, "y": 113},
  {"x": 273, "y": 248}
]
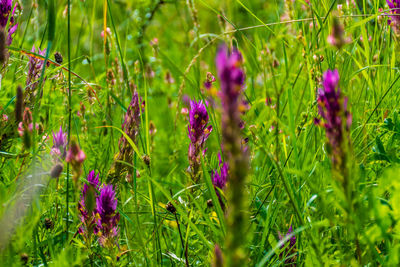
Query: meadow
[{"x": 199, "y": 133}]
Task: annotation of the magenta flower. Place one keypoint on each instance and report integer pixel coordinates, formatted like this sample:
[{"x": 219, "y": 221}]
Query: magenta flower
[
  {"x": 59, "y": 148},
  {"x": 108, "y": 217},
  {"x": 219, "y": 179},
  {"x": 87, "y": 206},
  {"x": 11, "y": 32},
  {"x": 290, "y": 248},
  {"x": 5, "y": 9},
  {"x": 198, "y": 132},
  {"x": 332, "y": 108},
  {"x": 231, "y": 76},
  {"x": 394, "y": 6}
]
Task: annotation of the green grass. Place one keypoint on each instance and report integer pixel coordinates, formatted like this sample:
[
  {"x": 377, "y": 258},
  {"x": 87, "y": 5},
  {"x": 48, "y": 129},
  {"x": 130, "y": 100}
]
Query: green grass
[{"x": 291, "y": 179}]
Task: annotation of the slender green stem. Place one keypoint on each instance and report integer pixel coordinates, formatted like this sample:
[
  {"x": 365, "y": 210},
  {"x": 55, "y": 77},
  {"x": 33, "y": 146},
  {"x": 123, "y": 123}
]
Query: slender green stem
[{"x": 69, "y": 110}]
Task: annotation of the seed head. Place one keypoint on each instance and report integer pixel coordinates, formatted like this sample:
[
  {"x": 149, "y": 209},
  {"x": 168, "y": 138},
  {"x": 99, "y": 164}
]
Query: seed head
[
  {"x": 170, "y": 207},
  {"x": 56, "y": 170},
  {"x": 58, "y": 57}
]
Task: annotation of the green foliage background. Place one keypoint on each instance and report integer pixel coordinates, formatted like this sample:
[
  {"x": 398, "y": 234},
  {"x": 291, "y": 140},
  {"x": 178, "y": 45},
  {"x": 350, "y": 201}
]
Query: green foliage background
[{"x": 283, "y": 62}]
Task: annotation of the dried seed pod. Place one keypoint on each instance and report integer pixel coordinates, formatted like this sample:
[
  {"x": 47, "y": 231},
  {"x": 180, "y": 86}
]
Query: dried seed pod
[
  {"x": 58, "y": 57},
  {"x": 170, "y": 207},
  {"x": 56, "y": 170},
  {"x": 49, "y": 224}
]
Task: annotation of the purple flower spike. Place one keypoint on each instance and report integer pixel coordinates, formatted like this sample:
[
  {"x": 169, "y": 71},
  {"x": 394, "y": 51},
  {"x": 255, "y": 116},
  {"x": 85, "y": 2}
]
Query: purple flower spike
[
  {"x": 220, "y": 179},
  {"x": 290, "y": 247},
  {"x": 59, "y": 148},
  {"x": 198, "y": 132},
  {"x": 232, "y": 80},
  {"x": 108, "y": 218},
  {"x": 198, "y": 119},
  {"x": 332, "y": 108},
  {"x": 230, "y": 74},
  {"x": 106, "y": 203}
]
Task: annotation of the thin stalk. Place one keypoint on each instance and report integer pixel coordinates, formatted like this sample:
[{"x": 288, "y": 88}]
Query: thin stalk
[{"x": 69, "y": 108}]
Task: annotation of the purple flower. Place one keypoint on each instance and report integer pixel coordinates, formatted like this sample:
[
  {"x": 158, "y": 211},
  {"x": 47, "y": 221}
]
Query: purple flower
[
  {"x": 394, "y": 5},
  {"x": 219, "y": 179},
  {"x": 198, "y": 132},
  {"x": 332, "y": 108},
  {"x": 198, "y": 120},
  {"x": 232, "y": 80},
  {"x": 59, "y": 148},
  {"x": 231, "y": 76},
  {"x": 290, "y": 247},
  {"x": 108, "y": 218},
  {"x": 5, "y": 9},
  {"x": 11, "y": 32},
  {"x": 87, "y": 206}
]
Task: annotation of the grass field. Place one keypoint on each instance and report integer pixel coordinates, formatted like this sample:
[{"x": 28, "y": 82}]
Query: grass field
[{"x": 199, "y": 133}]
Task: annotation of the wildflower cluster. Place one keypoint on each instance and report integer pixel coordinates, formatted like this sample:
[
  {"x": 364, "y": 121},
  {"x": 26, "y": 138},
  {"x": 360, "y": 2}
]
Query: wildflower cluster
[{"x": 98, "y": 215}]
